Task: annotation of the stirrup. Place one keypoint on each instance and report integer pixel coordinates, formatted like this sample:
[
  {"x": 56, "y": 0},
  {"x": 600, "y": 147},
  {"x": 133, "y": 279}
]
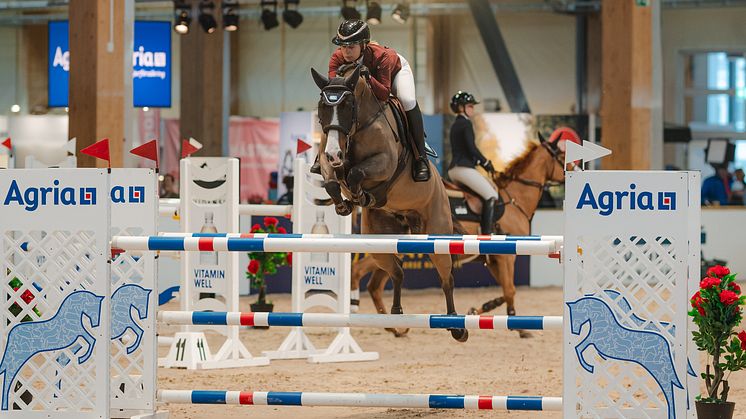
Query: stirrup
[{"x": 430, "y": 151}]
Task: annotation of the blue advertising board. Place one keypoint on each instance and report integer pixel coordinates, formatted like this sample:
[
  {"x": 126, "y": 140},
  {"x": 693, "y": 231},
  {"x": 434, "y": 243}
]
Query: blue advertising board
[{"x": 151, "y": 64}]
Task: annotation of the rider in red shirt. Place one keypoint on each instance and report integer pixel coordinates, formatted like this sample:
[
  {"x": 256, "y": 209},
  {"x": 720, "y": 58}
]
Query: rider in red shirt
[{"x": 388, "y": 73}]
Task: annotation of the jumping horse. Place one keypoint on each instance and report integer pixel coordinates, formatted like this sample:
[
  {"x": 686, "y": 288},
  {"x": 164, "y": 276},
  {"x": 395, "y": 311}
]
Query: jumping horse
[
  {"x": 520, "y": 187},
  {"x": 365, "y": 162}
]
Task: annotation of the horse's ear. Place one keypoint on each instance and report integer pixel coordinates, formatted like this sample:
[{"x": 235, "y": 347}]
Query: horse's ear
[
  {"x": 319, "y": 79},
  {"x": 351, "y": 81}
]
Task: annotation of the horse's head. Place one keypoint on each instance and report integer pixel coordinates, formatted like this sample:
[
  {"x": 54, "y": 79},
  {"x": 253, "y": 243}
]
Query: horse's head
[
  {"x": 556, "y": 165},
  {"x": 91, "y": 306},
  {"x": 579, "y": 315},
  {"x": 140, "y": 302},
  {"x": 337, "y": 113}
]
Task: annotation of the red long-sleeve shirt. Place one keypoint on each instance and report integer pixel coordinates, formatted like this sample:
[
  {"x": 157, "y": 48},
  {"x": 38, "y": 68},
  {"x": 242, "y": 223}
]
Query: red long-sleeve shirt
[{"x": 383, "y": 63}]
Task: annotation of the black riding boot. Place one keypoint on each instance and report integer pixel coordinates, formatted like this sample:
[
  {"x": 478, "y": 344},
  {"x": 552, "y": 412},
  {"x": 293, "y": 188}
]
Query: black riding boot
[
  {"x": 316, "y": 168},
  {"x": 421, "y": 166},
  {"x": 488, "y": 216}
]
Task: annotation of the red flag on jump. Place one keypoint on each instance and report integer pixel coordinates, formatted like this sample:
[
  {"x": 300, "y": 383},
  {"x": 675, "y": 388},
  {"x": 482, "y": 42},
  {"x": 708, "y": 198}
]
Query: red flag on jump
[
  {"x": 148, "y": 151},
  {"x": 189, "y": 147},
  {"x": 7, "y": 143},
  {"x": 302, "y": 147},
  {"x": 99, "y": 150}
]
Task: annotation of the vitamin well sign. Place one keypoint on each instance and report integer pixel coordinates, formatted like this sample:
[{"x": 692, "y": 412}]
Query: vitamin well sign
[{"x": 151, "y": 64}]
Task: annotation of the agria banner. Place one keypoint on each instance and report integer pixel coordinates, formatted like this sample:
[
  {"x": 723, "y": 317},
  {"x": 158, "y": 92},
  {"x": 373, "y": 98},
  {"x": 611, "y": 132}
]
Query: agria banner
[{"x": 151, "y": 64}]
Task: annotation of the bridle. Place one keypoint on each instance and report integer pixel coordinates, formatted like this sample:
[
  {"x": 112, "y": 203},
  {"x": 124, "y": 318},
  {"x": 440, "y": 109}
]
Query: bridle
[
  {"x": 334, "y": 95},
  {"x": 556, "y": 158}
]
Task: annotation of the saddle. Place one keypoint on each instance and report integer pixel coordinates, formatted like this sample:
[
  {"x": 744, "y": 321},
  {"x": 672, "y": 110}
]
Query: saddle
[
  {"x": 402, "y": 128},
  {"x": 466, "y": 204}
]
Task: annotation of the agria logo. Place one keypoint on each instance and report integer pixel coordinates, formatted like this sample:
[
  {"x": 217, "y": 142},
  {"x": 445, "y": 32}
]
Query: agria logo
[
  {"x": 608, "y": 201},
  {"x": 129, "y": 194},
  {"x": 32, "y": 198}
]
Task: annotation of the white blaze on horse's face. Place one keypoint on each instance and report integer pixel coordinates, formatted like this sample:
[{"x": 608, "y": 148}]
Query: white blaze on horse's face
[{"x": 333, "y": 150}]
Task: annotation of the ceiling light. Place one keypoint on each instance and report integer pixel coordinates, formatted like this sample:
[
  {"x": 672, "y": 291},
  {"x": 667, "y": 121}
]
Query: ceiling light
[
  {"x": 374, "y": 13},
  {"x": 292, "y": 16},
  {"x": 182, "y": 17},
  {"x": 206, "y": 18},
  {"x": 349, "y": 12},
  {"x": 269, "y": 14},
  {"x": 230, "y": 17},
  {"x": 15, "y": 109},
  {"x": 401, "y": 13}
]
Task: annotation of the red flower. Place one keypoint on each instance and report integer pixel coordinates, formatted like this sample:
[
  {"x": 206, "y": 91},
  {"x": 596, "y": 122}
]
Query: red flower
[
  {"x": 735, "y": 287},
  {"x": 289, "y": 258},
  {"x": 255, "y": 228},
  {"x": 282, "y": 230},
  {"x": 697, "y": 302},
  {"x": 718, "y": 271},
  {"x": 253, "y": 266},
  {"x": 728, "y": 297},
  {"x": 742, "y": 338},
  {"x": 27, "y": 295},
  {"x": 709, "y": 282},
  {"x": 270, "y": 221}
]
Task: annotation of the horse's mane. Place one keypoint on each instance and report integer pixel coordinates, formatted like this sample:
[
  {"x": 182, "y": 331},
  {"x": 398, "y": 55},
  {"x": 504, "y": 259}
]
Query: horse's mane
[{"x": 516, "y": 166}]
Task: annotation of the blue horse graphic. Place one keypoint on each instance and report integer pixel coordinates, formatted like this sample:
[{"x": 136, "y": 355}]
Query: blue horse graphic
[
  {"x": 124, "y": 299},
  {"x": 646, "y": 348},
  {"x": 626, "y": 307},
  {"x": 59, "y": 332}
]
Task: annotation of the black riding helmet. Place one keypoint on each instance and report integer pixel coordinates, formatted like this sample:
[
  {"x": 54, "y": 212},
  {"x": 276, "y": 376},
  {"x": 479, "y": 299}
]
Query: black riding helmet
[
  {"x": 352, "y": 32},
  {"x": 462, "y": 99}
]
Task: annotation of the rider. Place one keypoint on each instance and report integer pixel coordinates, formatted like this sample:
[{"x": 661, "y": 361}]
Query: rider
[
  {"x": 387, "y": 73},
  {"x": 466, "y": 156}
]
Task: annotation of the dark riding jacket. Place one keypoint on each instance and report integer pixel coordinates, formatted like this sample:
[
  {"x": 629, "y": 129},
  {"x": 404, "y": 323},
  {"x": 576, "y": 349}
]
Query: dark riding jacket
[
  {"x": 464, "y": 149},
  {"x": 383, "y": 62}
]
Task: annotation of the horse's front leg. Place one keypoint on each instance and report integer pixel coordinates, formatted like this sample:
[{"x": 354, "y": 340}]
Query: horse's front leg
[
  {"x": 373, "y": 168},
  {"x": 138, "y": 332},
  {"x": 579, "y": 349},
  {"x": 91, "y": 341},
  {"x": 341, "y": 205}
]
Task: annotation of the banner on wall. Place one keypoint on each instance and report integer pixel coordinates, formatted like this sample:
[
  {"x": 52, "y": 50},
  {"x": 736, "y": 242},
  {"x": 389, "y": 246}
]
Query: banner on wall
[
  {"x": 254, "y": 142},
  {"x": 434, "y": 137},
  {"x": 151, "y": 64}
]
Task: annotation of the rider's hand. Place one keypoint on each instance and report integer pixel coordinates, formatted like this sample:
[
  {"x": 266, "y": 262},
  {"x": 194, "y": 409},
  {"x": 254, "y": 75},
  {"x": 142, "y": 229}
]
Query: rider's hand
[{"x": 365, "y": 72}]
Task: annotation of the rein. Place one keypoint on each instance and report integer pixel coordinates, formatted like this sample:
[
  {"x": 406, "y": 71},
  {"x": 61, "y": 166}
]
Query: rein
[{"x": 533, "y": 183}]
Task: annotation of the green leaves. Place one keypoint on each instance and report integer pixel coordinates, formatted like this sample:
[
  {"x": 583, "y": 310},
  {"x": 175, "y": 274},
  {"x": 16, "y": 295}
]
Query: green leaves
[{"x": 716, "y": 310}]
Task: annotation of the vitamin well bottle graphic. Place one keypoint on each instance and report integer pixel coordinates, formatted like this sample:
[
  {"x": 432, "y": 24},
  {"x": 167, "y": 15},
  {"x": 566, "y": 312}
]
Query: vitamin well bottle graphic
[
  {"x": 320, "y": 228},
  {"x": 208, "y": 258}
]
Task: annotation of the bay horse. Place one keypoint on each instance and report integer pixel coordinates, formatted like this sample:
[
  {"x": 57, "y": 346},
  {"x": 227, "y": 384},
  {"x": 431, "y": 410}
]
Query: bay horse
[
  {"x": 365, "y": 163},
  {"x": 520, "y": 187}
]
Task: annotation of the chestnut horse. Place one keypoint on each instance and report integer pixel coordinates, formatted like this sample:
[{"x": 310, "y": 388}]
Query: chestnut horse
[
  {"x": 365, "y": 163},
  {"x": 520, "y": 185}
]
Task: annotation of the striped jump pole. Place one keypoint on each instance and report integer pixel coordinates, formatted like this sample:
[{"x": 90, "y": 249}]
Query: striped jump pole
[
  {"x": 426, "y": 401},
  {"x": 487, "y": 237},
  {"x": 415, "y": 321},
  {"x": 333, "y": 245}
]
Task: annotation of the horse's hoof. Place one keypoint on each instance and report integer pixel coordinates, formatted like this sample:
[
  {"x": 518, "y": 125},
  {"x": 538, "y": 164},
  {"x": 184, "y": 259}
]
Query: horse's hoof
[
  {"x": 399, "y": 333},
  {"x": 397, "y": 310},
  {"x": 461, "y": 335},
  {"x": 511, "y": 311},
  {"x": 525, "y": 334},
  {"x": 344, "y": 209},
  {"x": 472, "y": 311}
]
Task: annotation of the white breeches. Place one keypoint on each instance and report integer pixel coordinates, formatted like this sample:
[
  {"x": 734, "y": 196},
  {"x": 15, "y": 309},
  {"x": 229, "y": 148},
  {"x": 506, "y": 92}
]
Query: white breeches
[
  {"x": 403, "y": 85},
  {"x": 474, "y": 180}
]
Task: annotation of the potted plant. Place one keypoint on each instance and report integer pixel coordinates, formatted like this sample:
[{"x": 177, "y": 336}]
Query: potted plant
[
  {"x": 716, "y": 310},
  {"x": 262, "y": 264},
  {"x": 27, "y": 297}
]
